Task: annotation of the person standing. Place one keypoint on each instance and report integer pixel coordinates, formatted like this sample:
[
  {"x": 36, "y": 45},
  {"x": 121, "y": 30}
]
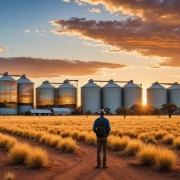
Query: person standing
[{"x": 102, "y": 128}]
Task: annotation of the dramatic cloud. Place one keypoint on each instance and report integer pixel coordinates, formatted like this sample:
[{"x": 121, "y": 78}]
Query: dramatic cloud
[
  {"x": 66, "y": 0},
  {"x": 36, "y": 68},
  {"x": 2, "y": 48},
  {"x": 95, "y": 10},
  {"x": 146, "y": 9},
  {"x": 133, "y": 35}
]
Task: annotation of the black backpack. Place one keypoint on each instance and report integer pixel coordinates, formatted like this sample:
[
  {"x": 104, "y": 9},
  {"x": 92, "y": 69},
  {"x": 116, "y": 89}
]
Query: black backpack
[{"x": 101, "y": 129}]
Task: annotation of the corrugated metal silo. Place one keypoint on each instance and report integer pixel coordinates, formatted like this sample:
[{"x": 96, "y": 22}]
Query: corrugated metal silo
[
  {"x": 174, "y": 94},
  {"x": 91, "y": 97},
  {"x": 25, "y": 94},
  {"x": 67, "y": 96},
  {"x": 8, "y": 95},
  {"x": 45, "y": 96},
  {"x": 111, "y": 96},
  {"x": 132, "y": 94},
  {"x": 156, "y": 95}
]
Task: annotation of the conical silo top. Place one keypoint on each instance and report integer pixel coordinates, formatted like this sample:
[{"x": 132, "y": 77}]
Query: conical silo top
[
  {"x": 90, "y": 84},
  {"x": 131, "y": 84},
  {"x": 156, "y": 85},
  {"x": 111, "y": 84},
  {"x": 24, "y": 79},
  {"x": 174, "y": 86},
  {"x": 46, "y": 84},
  {"x": 6, "y": 77},
  {"x": 66, "y": 84}
]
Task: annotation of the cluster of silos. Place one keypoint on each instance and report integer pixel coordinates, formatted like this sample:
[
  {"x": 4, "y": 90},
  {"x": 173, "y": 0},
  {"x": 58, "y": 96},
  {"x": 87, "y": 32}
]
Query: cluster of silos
[
  {"x": 65, "y": 96},
  {"x": 111, "y": 96},
  {"x": 16, "y": 97}
]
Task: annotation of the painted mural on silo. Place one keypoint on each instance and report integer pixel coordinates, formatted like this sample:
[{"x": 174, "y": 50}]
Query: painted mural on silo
[
  {"x": 45, "y": 96},
  {"x": 67, "y": 96},
  {"x": 8, "y": 94}
]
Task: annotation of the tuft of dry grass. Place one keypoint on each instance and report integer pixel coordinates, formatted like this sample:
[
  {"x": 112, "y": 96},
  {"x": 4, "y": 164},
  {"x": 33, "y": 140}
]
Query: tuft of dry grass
[
  {"x": 19, "y": 153},
  {"x": 176, "y": 143},
  {"x": 90, "y": 139},
  {"x": 37, "y": 158},
  {"x": 133, "y": 147},
  {"x": 68, "y": 145},
  {"x": 165, "y": 160},
  {"x": 9, "y": 176},
  {"x": 146, "y": 156},
  {"x": 168, "y": 139}
]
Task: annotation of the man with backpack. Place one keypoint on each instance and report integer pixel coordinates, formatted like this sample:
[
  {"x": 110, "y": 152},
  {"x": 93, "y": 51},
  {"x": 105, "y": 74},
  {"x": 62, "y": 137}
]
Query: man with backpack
[{"x": 102, "y": 128}]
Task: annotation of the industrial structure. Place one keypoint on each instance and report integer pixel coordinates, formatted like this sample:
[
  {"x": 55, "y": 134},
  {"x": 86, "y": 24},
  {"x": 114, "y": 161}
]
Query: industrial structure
[
  {"x": 17, "y": 96},
  {"x": 25, "y": 94}
]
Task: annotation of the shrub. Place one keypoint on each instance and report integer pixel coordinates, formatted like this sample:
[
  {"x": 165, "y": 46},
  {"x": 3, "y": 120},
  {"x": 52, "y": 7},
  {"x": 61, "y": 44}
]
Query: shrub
[
  {"x": 90, "y": 139},
  {"x": 168, "y": 139},
  {"x": 146, "y": 156},
  {"x": 165, "y": 160},
  {"x": 81, "y": 136},
  {"x": 9, "y": 176},
  {"x": 37, "y": 158},
  {"x": 176, "y": 143},
  {"x": 19, "y": 153},
  {"x": 133, "y": 147}
]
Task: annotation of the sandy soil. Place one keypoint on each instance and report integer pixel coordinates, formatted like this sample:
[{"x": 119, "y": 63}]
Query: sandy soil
[{"x": 81, "y": 166}]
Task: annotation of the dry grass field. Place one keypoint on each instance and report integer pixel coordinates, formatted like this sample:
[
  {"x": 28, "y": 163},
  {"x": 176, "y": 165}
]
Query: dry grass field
[{"x": 64, "y": 147}]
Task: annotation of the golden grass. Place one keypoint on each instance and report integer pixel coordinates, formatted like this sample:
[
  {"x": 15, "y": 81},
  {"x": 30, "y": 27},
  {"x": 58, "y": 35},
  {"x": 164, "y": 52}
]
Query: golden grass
[
  {"x": 133, "y": 147},
  {"x": 168, "y": 139},
  {"x": 19, "y": 153},
  {"x": 176, "y": 143},
  {"x": 90, "y": 138},
  {"x": 165, "y": 160},
  {"x": 9, "y": 176},
  {"x": 37, "y": 158}
]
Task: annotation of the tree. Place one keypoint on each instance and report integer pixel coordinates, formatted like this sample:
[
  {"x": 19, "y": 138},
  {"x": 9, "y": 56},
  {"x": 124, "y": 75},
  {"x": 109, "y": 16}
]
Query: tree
[
  {"x": 123, "y": 111},
  {"x": 107, "y": 110},
  {"x": 88, "y": 112},
  {"x": 142, "y": 109},
  {"x": 169, "y": 108},
  {"x": 157, "y": 111}
]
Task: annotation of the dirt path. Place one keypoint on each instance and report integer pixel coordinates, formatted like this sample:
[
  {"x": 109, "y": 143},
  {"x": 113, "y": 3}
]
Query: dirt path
[{"x": 80, "y": 166}]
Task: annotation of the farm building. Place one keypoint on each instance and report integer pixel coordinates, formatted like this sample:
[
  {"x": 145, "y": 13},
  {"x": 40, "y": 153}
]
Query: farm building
[
  {"x": 61, "y": 111},
  {"x": 39, "y": 112}
]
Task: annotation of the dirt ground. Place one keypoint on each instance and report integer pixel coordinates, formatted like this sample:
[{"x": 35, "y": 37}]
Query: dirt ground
[{"x": 81, "y": 166}]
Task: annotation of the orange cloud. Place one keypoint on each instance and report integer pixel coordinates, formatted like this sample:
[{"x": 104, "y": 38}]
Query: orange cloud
[
  {"x": 37, "y": 67},
  {"x": 146, "y": 9},
  {"x": 2, "y": 48},
  {"x": 132, "y": 35}
]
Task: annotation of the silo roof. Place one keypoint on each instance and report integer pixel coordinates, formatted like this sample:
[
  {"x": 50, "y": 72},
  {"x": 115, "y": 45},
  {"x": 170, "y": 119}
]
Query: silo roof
[
  {"x": 111, "y": 84},
  {"x": 66, "y": 85},
  {"x": 156, "y": 85},
  {"x": 6, "y": 77},
  {"x": 174, "y": 86},
  {"x": 46, "y": 84},
  {"x": 130, "y": 84},
  {"x": 90, "y": 84},
  {"x": 24, "y": 79}
]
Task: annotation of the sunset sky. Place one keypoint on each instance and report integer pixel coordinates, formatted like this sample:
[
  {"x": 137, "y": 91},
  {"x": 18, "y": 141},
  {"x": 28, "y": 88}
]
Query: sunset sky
[{"x": 91, "y": 39}]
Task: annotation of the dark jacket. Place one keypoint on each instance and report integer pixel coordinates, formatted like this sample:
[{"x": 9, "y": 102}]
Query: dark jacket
[{"x": 106, "y": 122}]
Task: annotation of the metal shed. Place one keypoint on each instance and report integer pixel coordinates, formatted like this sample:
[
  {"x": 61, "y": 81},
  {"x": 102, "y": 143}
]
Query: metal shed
[
  {"x": 39, "y": 112},
  {"x": 61, "y": 111}
]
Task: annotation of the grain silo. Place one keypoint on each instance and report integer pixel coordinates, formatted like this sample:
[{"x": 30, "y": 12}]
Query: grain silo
[
  {"x": 174, "y": 94},
  {"x": 67, "y": 96},
  {"x": 156, "y": 95},
  {"x": 8, "y": 95},
  {"x": 45, "y": 96},
  {"x": 25, "y": 94},
  {"x": 111, "y": 96},
  {"x": 91, "y": 97},
  {"x": 132, "y": 94}
]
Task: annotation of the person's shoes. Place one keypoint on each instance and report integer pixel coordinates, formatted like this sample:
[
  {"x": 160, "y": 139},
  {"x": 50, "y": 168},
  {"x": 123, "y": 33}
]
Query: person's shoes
[
  {"x": 98, "y": 167},
  {"x": 104, "y": 167}
]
